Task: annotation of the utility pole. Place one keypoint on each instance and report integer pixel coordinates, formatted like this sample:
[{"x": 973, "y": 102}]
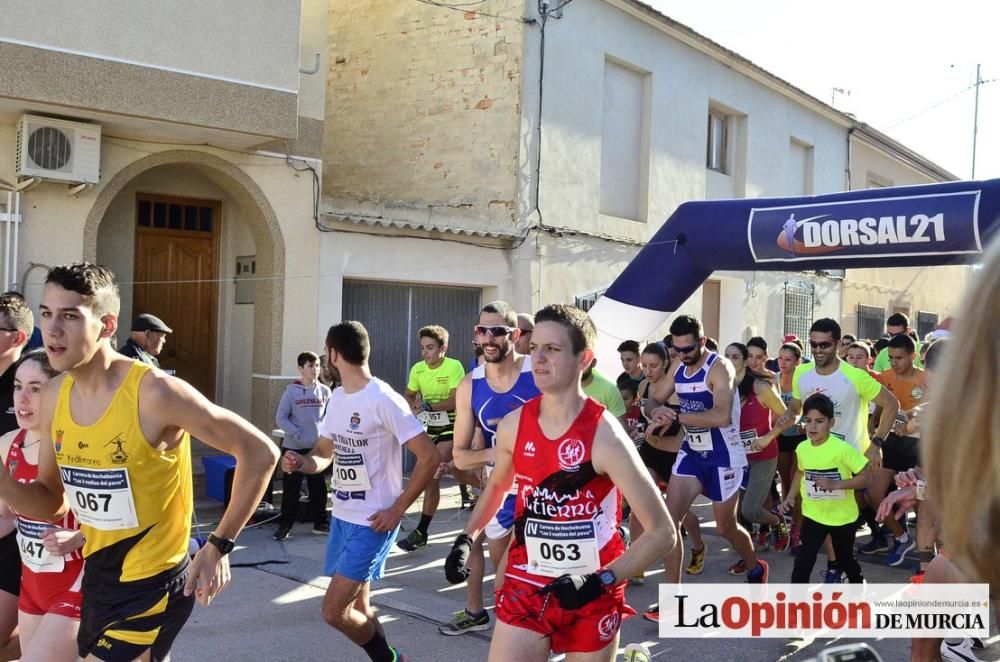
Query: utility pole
[{"x": 975, "y": 122}]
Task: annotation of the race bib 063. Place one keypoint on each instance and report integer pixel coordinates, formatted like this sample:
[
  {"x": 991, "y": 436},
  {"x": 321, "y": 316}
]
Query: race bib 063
[{"x": 559, "y": 548}]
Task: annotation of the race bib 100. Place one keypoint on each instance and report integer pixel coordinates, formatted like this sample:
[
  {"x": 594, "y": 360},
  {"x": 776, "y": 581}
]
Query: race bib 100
[
  {"x": 559, "y": 548},
  {"x": 101, "y": 498},
  {"x": 350, "y": 474}
]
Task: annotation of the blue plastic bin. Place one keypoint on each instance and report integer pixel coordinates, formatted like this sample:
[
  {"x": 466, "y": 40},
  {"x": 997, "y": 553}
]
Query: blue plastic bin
[{"x": 216, "y": 469}]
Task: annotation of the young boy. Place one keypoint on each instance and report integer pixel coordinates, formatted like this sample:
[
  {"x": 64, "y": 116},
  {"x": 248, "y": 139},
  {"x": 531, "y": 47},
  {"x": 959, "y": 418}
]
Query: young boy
[
  {"x": 636, "y": 424},
  {"x": 299, "y": 414},
  {"x": 828, "y": 472}
]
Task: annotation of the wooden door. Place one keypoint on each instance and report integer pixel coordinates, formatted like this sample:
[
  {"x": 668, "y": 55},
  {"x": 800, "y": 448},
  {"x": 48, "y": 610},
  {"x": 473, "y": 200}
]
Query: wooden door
[
  {"x": 711, "y": 293},
  {"x": 176, "y": 271}
]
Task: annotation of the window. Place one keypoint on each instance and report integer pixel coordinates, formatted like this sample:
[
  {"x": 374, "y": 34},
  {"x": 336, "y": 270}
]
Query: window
[
  {"x": 624, "y": 145},
  {"x": 586, "y": 301},
  {"x": 871, "y": 322},
  {"x": 718, "y": 141},
  {"x": 926, "y": 322},
  {"x": 800, "y": 168},
  {"x": 800, "y": 299}
]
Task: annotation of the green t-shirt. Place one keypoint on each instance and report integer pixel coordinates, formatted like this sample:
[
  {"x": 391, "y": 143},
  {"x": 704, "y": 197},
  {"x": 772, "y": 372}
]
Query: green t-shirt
[
  {"x": 882, "y": 360},
  {"x": 606, "y": 392},
  {"x": 435, "y": 385},
  {"x": 834, "y": 459}
]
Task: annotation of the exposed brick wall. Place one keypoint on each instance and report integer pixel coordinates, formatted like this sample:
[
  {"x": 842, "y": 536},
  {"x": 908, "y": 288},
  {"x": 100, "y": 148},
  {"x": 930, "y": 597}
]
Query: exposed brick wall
[{"x": 423, "y": 111}]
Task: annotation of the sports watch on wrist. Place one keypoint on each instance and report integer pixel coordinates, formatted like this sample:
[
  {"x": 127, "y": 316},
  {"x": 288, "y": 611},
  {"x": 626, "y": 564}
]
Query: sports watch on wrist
[
  {"x": 224, "y": 545},
  {"x": 878, "y": 441},
  {"x": 607, "y": 577}
]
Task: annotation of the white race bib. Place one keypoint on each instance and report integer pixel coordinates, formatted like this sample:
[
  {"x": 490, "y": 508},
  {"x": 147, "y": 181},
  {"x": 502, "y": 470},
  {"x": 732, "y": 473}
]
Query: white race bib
[
  {"x": 101, "y": 498},
  {"x": 350, "y": 474},
  {"x": 33, "y": 552},
  {"x": 814, "y": 492},
  {"x": 749, "y": 437},
  {"x": 699, "y": 439},
  {"x": 559, "y": 548},
  {"x": 434, "y": 419}
]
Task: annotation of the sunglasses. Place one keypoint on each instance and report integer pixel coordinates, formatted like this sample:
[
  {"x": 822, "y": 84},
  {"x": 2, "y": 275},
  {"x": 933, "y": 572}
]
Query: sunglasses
[
  {"x": 686, "y": 350},
  {"x": 493, "y": 331},
  {"x": 821, "y": 345}
]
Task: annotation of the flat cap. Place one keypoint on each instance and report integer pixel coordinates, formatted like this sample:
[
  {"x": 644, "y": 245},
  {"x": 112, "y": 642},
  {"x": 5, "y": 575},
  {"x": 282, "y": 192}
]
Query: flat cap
[{"x": 147, "y": 322}]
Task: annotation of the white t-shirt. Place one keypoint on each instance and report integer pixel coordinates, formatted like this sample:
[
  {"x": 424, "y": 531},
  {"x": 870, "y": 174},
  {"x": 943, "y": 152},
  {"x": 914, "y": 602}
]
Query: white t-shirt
[
  {"x": 368, "y": 429},
  {"x": 850, "y": 389}
]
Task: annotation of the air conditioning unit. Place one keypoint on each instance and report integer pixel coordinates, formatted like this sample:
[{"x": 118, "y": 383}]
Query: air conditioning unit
[{"x": 58, "y": 149}]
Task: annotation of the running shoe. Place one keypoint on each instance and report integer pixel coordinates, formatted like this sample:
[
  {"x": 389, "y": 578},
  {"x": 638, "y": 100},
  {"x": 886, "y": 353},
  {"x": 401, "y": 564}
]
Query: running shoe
[
  {"x": 321, "y": 529},
  {"x": 470, "y": 502},
  {"x": 899, "y": 550},
  {"x": 833, "y": 576},
  {"x": 759, "y": 574},
  {"x": 738, "y": 568},
  {"x": 652, "y": 614},
  {"x": 878, "y": 543},
  {"x": 462, "y": 621},
  {"x": 396, "y": 655},
  {"x": 413, "y": 542},
  {"x": 918, "y": 577},
  {"x": 697, "y": 563},
  {"x": 638, "y": 579},
  {"x": 794, "y": 541},
  {"x": 284, "y": 532},
  {"x": 960, "y": 652},
  {"x": 761, "y": 540},
  {"x": 637, "y": 653},
  {"x": 978, "y": 643},
  {"x": 779, "y": 536}
]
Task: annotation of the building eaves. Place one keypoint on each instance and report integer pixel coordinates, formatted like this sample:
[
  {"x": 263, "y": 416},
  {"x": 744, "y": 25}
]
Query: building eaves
[
  {"x": 408, "y": 228},
  {"x": 739, "y": 62}
]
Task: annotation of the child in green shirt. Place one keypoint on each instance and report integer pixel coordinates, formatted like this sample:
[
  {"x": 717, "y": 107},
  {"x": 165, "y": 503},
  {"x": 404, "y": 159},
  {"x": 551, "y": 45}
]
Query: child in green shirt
[{"x": 828, "y": 471}]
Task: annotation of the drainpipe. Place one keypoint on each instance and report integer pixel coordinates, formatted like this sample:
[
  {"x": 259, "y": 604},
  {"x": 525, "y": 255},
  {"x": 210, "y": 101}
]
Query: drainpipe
[{"x": 850, "y": 132}]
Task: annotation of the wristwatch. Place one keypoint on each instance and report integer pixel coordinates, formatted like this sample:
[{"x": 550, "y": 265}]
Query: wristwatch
[
  {"x": 224, "y": 545},
  {"x": 878, "y": 441},
  {"x": 607, "y": 578}
]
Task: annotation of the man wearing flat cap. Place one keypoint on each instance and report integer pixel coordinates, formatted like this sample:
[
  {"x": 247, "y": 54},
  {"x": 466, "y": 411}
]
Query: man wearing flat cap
[{"x": 149, "y": 334}]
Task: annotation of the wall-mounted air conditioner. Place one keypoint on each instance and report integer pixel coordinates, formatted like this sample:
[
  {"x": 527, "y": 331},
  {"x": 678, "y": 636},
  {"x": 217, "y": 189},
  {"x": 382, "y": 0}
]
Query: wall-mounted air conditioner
[{"x": 58, "y": 149}]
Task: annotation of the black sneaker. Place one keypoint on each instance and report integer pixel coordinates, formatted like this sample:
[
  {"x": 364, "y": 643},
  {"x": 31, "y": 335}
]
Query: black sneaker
[
  {"x": 284, "y": 532},
  {"x": 321, "y": 529}
]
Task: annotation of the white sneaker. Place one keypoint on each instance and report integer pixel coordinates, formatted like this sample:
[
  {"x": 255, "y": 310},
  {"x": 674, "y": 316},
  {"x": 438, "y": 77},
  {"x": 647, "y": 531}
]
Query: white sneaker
[
  {"x": 637, "y": 653},
  {"x": 961, "y": 652}
]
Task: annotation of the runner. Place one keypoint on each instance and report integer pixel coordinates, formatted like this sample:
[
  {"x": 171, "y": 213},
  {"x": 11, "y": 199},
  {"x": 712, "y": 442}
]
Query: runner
[
  {"x": 850, "y": 390},
  {"x": 127, "y": 473},
  {"x": 485, "y": 396},
  {"x": 898, "y": 324},
  {"x": 899, "y": 453},
  {"x": 365, "y": 427},
  {"x": 628, "y": 352},
  {"x": 49, "y": 604},
  {"x": 658, "y": 453},
  {"x": 757, "y": 357},
  {"x": 711, "y": 460},
  {"x": 759, "y": 403},
  {"x": 789, "y": 358},
  {"x": 525, "y": 327},
  {"x": 564, "y": 590},
  {"x": 430, "y": 393},
  {"x": 600, "y": 388}
]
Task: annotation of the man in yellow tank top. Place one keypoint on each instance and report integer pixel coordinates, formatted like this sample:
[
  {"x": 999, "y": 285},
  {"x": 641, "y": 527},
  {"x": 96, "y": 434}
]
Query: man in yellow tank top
[{"x": 116, "y": 449}]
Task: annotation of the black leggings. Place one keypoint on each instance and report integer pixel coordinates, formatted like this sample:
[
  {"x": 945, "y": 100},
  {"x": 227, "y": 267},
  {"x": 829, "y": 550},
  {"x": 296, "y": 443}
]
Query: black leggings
[
  {"x": 812, "y": 536},
  {"x": 291, "y": 483}
]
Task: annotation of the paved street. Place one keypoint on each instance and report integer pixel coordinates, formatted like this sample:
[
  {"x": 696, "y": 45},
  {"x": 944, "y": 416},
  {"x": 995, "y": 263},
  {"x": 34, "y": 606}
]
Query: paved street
[{"x": 271, "y": 612}]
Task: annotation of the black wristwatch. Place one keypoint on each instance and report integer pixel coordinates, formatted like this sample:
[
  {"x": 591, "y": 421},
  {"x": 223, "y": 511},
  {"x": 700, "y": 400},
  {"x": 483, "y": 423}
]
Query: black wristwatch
[
  {"x": 607, "y": 577},
  {"x": 224, "y": 545},
  {"x": 878, "y": 441}
]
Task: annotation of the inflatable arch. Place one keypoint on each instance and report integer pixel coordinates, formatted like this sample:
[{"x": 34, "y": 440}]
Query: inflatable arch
[{"x": 907, "y": 226}]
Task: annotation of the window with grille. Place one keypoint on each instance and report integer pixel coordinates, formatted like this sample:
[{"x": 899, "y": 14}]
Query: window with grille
[
  {"x": 871, "y": 321},
  {"x": 800, "y": 300},
  {"x": 586, "y": 301},
  {"x": 926, "y": 322}
]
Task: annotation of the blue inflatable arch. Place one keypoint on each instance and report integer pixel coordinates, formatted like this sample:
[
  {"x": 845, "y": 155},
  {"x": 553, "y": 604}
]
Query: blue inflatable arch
[{"x": 906, "y": 226}]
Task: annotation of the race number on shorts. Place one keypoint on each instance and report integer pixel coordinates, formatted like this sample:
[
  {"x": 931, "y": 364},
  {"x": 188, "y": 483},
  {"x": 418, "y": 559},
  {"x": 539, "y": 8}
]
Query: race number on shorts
[
  {"x": 699, "y": 439},
  {"x": 434, "y": 419},
  {"x": 33, "y": 553},
  {"x": 559, "y": 548},
  {"x": 350, "y": 474},
  {"x": 101, "y": 498}
]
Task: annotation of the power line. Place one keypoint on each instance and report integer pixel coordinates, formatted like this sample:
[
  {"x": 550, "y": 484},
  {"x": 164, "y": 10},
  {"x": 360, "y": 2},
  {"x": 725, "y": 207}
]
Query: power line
[{"x": 463, "y": 7}]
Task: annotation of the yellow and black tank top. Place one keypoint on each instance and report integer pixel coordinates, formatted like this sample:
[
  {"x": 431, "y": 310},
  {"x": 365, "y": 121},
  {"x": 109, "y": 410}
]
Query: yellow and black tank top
[{"x": 133, "y": 502}]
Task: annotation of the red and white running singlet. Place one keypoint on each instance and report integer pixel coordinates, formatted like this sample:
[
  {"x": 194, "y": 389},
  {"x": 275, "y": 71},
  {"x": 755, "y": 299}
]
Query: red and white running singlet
[
  {"x": 29, "y": 532},
  {"x": 566, "y": 517}
]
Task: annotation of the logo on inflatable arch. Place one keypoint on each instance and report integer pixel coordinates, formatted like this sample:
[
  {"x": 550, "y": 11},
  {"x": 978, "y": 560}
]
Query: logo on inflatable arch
[{"x": 936, "y": 224}]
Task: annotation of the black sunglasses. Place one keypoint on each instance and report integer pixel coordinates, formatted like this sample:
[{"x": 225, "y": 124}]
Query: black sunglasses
[
  {"x": 686, "y": 350},
  {"x": 821, "y": 345},
  {"x": 493, "y": 331}
]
